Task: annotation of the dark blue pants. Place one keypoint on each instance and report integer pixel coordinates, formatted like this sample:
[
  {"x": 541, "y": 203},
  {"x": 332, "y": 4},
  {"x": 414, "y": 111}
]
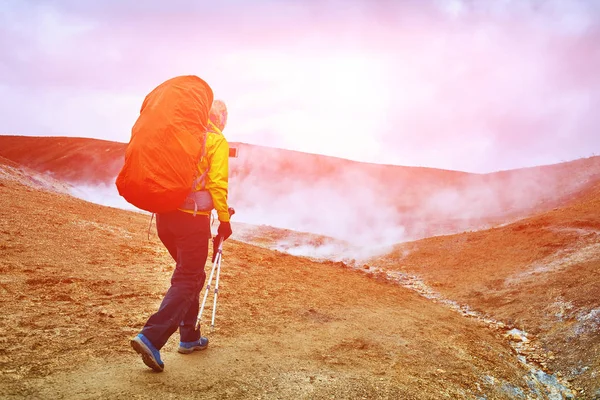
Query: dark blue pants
[{"x": 186, "y": 238}]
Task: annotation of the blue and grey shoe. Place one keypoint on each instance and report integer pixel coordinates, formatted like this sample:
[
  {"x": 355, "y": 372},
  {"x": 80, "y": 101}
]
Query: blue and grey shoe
[
  {"x": 150, "y": 355},
  {"x": 189, "y": 347}
]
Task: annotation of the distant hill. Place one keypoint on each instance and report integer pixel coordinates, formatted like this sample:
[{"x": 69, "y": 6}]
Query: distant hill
[
  {"x": 70, "y": 159},
  {"x": 362, "y": 203}
]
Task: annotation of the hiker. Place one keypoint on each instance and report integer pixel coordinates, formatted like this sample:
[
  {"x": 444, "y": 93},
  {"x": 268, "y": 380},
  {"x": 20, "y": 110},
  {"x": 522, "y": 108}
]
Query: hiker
[{"x": 185, "y": 232}]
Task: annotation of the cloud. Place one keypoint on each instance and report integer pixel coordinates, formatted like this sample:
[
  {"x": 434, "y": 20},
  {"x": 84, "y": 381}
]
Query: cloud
[
  {"x": 69, "y": 112},
  {"x": 475, "y": 86}
]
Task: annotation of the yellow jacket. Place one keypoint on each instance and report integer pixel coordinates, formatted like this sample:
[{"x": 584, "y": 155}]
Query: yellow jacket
[{"x": 216, "y": 160}]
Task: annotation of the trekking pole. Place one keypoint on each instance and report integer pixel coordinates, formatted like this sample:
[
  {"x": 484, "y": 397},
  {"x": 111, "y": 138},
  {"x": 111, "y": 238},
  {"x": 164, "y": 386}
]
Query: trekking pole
[
  {"x": 216, "y": 265},
  {"x": 217, "y": 259},
  {"x": 220, "y": 257}
]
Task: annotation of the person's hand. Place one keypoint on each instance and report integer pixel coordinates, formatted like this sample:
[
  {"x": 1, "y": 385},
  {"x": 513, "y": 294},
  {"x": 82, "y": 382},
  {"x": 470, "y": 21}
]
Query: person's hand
[{"x": 224, "y": 231}]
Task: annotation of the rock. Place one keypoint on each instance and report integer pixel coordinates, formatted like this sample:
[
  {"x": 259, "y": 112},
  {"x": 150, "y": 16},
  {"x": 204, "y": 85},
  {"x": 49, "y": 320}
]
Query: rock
[
  {"x": 517, "y": 335},
  {"x": 105, "y": 313}
]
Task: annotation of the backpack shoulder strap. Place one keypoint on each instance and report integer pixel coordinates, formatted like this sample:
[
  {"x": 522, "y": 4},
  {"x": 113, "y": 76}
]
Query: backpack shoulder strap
[{"x": 202, "y": 178}]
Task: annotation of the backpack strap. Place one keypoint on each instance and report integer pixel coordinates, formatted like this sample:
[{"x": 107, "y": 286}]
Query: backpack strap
[
  {"x": 150, "y": 225},
  {"x": 202, "y": 178}
]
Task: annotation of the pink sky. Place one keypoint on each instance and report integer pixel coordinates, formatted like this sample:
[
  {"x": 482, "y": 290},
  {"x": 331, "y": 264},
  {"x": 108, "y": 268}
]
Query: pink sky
[{"x": 475, "y": 86}]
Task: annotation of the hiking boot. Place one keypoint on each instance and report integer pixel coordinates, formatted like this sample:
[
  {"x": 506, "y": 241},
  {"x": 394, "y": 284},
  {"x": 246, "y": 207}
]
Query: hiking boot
[
  {"x": 150, "y": 355},
  {"x": 189, "y": 347}
]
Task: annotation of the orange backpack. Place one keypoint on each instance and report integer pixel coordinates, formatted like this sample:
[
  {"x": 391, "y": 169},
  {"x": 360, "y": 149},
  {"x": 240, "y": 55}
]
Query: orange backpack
[{"x": 167, "y": 141}]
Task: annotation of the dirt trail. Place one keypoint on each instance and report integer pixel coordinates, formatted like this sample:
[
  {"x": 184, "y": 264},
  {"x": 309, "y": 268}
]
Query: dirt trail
[
  {"x": 318, "y": 358},
  {"x": 78, "y": 281}
]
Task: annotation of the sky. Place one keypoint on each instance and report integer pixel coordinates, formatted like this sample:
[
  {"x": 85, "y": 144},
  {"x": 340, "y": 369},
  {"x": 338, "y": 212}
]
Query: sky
[{"x": 467, "y": 85}]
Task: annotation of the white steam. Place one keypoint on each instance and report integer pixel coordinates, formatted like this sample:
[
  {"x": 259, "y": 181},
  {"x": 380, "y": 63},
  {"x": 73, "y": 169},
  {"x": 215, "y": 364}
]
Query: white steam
[
  {"x": 341, "y": 210},
  {"x": 104, "y": 194}
]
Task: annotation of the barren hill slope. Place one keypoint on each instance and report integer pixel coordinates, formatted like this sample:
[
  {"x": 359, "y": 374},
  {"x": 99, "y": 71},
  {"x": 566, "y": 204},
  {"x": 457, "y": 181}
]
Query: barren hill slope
[
  {"x": 324, "y": 195},
  {"x": 69, "y": 159},
  {"x": 541, "y": 274},
  {"x": 78, "y": 280}
]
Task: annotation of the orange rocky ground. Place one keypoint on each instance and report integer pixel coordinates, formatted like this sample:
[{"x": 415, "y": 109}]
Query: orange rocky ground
[
  {"x": 540, "y": 274},
  {"x": 444, "y": 317},
  {"x": 78, "y": 280}
]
